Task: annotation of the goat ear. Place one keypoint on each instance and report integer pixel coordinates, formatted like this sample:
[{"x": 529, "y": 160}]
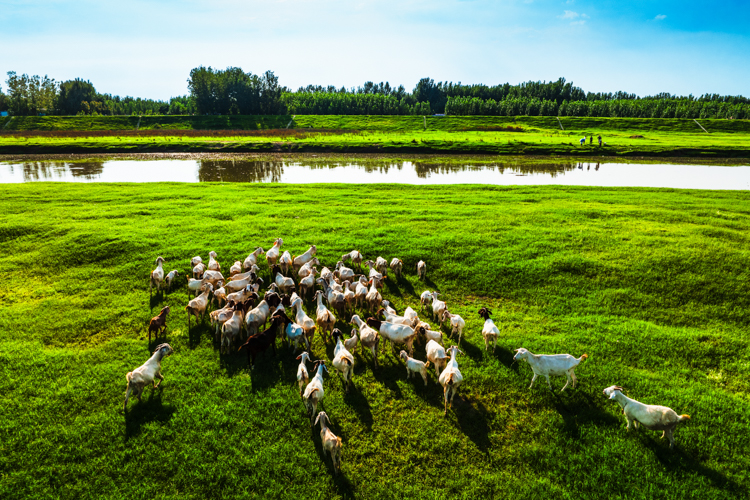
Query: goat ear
[
  {"x": 613, "y": 395},
  {"x": 298, "y": 357},
  {"x": 317, "y": 418}
]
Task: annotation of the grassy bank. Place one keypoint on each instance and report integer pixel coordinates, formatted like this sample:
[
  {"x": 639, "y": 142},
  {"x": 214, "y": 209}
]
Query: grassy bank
[
  {"x": 377, "y": 134},
  {"x": 652, "y": 284}
]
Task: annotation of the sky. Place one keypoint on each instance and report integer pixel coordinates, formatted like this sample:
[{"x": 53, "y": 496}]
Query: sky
[{"x": 147, "y": 48}]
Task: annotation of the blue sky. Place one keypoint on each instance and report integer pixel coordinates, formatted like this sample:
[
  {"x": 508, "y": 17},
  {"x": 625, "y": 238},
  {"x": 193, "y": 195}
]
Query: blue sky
[{"x": 147, "y": 49}]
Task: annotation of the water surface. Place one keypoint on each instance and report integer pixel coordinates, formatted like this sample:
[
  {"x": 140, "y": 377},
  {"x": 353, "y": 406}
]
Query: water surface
[{"x": 515, "y": 171}]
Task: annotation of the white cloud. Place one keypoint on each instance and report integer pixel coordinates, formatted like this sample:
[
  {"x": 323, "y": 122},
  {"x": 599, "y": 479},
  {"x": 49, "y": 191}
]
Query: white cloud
[
  {"x": 578, "y": 23},
  {"x": 569, "y": 14},
  {"x": 660, "y": 17}
]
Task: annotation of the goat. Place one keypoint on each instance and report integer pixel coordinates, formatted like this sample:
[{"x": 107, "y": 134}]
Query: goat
[
  {"x": 303, "y": 320},
  {"x": 326, "y": 275},
  {"x": 374, "y": 273},
  {"x": 343, "y": 360},
  {"x": 171, "y": 277},
  {"x": 252, "y": 259},
  {"x": 195, "y": 261},
  {"x": 414, "y": 366},
  {"x": 302, "y": 376},
  {"x": 220, "y": 295},
  {"x": 381, "y": 265},
  {"x": 331, "y": 443},
  {"x": 438, "y": 306},
  {"x": 231, "y": 329},
  {"x": 256, "y": 317},
  {"x": 236, "y": 268},
  {"x": 490, "y": 331},
  {"x": 355, "y": 257},
  {"x": 198, "y": 270},
  {"x": 237, "y": 285},
  {"x": 285, "y": 285},
  {"x": 324, "y": 318},
  {"x": 147, "y": 372},
  {"x": 342, "y": 272},
  {"x": 301, "y": 260},
  {"x": 285, "y": 262},
  {"x": 411, "y": 315},
  {"x": 213, "y": 264},
  {"x": 421, "y": 270},
  {"x": 314, "y": 391},
  {"x": 451, "y": 378},
  {"x": 391, "y": 317},
  {"x": 252, "y": 273},
  {"x": 360, "y": 292},
  {"x": 396, "y": 266},
  {"x": 157, "y": 275},
  {"x": 457, "y": 324},
  {"x": 258, "y": 343},
  {"x": 272, "y": 255},
  {"x": 424, "y": 330},
  {"x": 350, "y": 300},
  {"x": 368, "y": 337},
  {"x": 550, "y": 364},
  {"x": 335, "y": 298},
  {"x": 351, "y": 342},
  {"x": 214, "y": 277},
  {"x": 436, "y": 354},
  {"x": 652, "y": 417},
  {"x": 426, "y": 299},
  {"x": 196, "y": 285},
  {"x": 197, "y": 306},
  {"x": 293, "y": 331},
  {"x": 306, "y": 268},
  {"x": 219, "y": 316},
  {"x": 373, "y": 297},
  {"x": 396, "y": 334},
  {"x": 158, "y": 323}
]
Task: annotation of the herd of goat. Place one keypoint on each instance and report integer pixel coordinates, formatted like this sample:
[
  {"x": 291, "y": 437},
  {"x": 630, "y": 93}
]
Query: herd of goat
[{"x": 342, "y": 291}]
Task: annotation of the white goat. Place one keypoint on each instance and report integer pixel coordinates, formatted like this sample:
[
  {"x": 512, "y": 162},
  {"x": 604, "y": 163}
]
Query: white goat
[
  {"x": 342, "y": 272},
  {"x": 237, "y": 285},
  {"x": 411, "y": 315},
  {"x": 303, "y": 320},
  {"x": 214, "y": 277},
  {"x": 285, "y": 262},
  {"x": 306, "y": 268},
  {"x": 252, "y": 259},
  {"x": 396, "y": 334},
  {"x": 424, "y": 330},
  {"x": 220, "y": 295},
  {"x": 373, "y": 273},
  {"x": 343, "y": 360},
  {"x": 324, "y": 318},
  {"x": 285, "y": 285},
  {"x": 396, "y": 266},
  {"x": 248, "y": 274},
  {"x": 421, "y": 270},
  {"x": 256, "y": 317},
  {"x": 302, "y": 376},
  {"x": 451, "y": 378},
  {"x": 490, "y": 332},
  {"x": 314, "y": 391},
  {"x": 231, "y": 329},
  {"x": 331, "y": 442},
  {"x": 236, "y": 268},
  {"x": 389, "y": 315},
  {"x": 198, "y": 270},
  {"x": 301, "y": 260},
  {"x": 381, "y": 265},
  {"x": 196, "y": 285},
  {"x": 171, "y": 277},
  {"x": 436, "y": 354},
  {"x": 157, "y": 275},
  {"x": 550, "y": 364},
  {"x": 360, "y": 292},
  {"x": 373, "y": 297},
  {"x": 414, "y": 366},
  {"x": 438, "y": 306},
  {"x": 197, "y": 306},
  {"x": 457, "y": 324},
  {"x": 355, "y": 257},
  {"x": 307, "y": 283},
  {"x": 351, "y": 342},
  {"x": 219, "y": 316},
  {"x": 195, "y": 261},
  {"x": 652, "y": 417},
  {"x": 368, "y": 337},
  {"x": 426, "y": 299},
  {"x": 213, "y": 264},
  {"x": 147, "y": 373},
  {"x": 240, "y": 296},
  {"x": 272, "y": 255}
]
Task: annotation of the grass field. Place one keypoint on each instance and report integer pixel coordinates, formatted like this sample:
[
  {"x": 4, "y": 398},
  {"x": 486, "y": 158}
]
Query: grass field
[
  {"x": 378, "y": 134},
  {"x": 651, "y": 284}
]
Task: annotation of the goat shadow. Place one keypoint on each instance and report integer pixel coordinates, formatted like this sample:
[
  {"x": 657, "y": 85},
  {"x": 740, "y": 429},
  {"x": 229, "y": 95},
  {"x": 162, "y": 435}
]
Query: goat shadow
[
  {"x": 343, "y": 485},
  {"x": 471, "y": 419},
  {"x": 407, "y": 286},
  {"x": 150, "y": 409},
  {"x": 578, "y": 408},
  {"x": 156, "y": 299},
  {"x": 393, "y": 288},
  {"x": 359, "y": 404},
  {"x": 388, "y": 373},
  {"x": 505, "y": 356},
  {"x": 196, "y": 329},
  {"x": 677, "y": 460}
]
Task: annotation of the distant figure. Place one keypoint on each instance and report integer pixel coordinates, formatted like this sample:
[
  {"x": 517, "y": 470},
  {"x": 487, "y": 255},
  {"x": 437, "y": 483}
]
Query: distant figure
[
  {"x": 591, "y": 140},
  {"x": 583, "y": 141},
  {"x": 600, "y": 140},
  {"x": 596, "y": 167}
]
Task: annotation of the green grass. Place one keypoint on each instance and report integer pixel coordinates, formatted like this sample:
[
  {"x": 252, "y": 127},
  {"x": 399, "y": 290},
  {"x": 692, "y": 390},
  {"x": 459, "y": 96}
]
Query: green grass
[
  {"x": 652, "y": 284},
  {"x": 388, "y": 134}
]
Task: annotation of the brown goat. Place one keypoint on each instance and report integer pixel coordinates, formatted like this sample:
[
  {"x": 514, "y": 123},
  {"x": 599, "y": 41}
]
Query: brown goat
[
  {"x": 158, "y": 323},
  {"x": 261, "y": 341}
]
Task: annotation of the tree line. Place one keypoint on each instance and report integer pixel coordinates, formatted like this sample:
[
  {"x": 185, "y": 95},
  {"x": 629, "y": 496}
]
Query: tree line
[{"x": 233, "y": 91}]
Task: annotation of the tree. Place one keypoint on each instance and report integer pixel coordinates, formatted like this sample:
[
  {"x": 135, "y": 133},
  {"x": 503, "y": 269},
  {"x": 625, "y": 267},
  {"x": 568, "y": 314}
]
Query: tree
[
  {"x": 73, "y": 93},
  {"x": 3, "y": 101},
  {"x": 30, "y": 95}
]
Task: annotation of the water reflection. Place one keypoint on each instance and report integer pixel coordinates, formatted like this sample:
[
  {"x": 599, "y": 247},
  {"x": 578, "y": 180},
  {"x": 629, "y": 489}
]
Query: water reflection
[{"x": 504, "y": 171}]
